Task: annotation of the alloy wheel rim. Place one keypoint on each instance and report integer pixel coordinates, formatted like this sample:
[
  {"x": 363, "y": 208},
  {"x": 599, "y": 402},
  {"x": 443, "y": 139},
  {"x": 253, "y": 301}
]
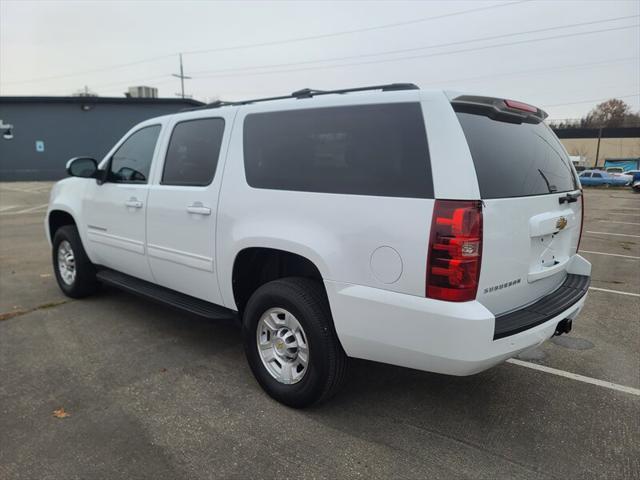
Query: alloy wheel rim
[
  {"x": 282, "y": 345},
  {"x": 66, "y": 263}
]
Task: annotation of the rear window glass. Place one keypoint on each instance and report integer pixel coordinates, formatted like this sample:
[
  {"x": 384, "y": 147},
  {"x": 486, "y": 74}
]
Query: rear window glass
[
  {"x": 376, "y": 150},
  {"x": 516, "y": 160}
]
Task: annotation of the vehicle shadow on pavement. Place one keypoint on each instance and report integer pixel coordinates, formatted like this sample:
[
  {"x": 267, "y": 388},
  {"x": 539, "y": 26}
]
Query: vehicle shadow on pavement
[
  {"x": 521, "y": 419},
  {"x": 175, "y": 390}
]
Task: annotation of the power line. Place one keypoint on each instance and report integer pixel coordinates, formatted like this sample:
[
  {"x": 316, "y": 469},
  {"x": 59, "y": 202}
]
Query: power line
[
  {"x": 493, "y": 37},
  {"x": 405, "y": 50},
  {"x": 165, "y": 79},
  {"x": 522, "y": 72},
  {"x": 95, "y": 70},
  {"x": 412, "y": 57},
  {"x": 357, "y": 30},
  {"x": 592, "y": 100},
  {"x": 534, "y": 71},
  {"x": 132, "y": 81},
  {"x": 269, "y": 43}
]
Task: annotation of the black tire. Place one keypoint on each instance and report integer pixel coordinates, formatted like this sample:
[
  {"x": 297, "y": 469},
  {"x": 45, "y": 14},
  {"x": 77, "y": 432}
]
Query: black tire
[
  {"x": 85, "y": 282},
  {"x": 307, "y": 301}
]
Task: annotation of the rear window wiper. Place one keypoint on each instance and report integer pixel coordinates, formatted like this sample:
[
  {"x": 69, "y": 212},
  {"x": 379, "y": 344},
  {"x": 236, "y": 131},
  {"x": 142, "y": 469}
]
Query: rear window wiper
[{"x": 551, "y": 188}]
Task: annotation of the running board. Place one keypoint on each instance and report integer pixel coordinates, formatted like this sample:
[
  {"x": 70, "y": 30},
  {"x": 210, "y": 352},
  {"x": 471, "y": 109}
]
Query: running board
[{"x": 164, "y": 295}]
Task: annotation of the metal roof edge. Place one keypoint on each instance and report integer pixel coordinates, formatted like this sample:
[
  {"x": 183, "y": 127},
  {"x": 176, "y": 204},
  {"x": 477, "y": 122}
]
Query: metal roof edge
[{"x": 94, "y": 100}]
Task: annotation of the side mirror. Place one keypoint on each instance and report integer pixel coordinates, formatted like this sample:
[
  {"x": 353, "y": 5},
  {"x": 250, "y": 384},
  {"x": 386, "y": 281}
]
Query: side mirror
[{"x": 84, "y": 167}]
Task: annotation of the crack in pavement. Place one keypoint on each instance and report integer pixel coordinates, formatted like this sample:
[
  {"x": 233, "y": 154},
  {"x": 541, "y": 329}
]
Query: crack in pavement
[{"x": 23, "y": 311}]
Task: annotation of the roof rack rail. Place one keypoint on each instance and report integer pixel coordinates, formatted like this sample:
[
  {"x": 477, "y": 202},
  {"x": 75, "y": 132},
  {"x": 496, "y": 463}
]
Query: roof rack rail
[{"x": 310, "y": 92}]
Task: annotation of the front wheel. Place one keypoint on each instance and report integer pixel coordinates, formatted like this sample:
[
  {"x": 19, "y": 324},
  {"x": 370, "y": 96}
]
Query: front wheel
[
  {"x": 291, "y": 343},
  {"x": 74, "y": 272}
]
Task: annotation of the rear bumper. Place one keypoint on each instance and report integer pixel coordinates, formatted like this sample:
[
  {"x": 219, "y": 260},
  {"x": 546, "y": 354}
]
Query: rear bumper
[
  {"x": 547, "y": 308},
  {"x": 432, "y": 335}
]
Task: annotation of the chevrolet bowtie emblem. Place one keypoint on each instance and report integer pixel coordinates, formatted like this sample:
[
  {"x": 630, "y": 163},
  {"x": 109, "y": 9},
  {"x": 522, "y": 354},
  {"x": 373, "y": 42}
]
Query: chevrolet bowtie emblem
[{"x": 561, "y": 223}]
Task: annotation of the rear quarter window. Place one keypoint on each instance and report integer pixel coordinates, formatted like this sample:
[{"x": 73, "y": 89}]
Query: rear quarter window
[
  {"x": 376, "y": 150},
  {"x": 516, "y": 160}
]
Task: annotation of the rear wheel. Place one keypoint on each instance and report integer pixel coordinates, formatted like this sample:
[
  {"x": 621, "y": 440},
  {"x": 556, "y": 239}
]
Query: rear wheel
[
  {"x": 74, "y": 271},
  {"x": 291, "y": 343}
]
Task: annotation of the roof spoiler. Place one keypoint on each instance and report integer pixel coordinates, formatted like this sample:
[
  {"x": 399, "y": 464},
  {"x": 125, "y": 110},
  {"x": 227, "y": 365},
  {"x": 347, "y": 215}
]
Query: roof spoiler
[{"x": 500, "y": 109}]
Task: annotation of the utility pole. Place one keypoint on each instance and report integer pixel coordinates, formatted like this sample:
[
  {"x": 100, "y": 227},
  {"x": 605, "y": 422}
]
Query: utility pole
[
  {"x": 598, "y": 147},
  {"x": 182, "y": 78}
]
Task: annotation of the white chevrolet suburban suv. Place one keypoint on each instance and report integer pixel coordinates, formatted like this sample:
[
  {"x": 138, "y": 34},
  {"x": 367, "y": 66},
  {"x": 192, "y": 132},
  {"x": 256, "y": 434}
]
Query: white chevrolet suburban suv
[{"x": 424, "y": 229}]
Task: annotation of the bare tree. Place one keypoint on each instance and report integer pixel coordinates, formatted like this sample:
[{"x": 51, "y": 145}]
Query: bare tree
[{"x": 612, "y": 113}]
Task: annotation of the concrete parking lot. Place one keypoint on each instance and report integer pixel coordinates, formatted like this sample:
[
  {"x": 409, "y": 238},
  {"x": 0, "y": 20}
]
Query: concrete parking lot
[{"x": 153, "y": 393}]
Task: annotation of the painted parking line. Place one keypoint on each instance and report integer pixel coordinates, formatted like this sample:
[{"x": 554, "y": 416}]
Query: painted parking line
[
  {"x": 14, "y": 189},
  {"x": 575, "y": 376},
  {"x": 614, "y": 234},
  {"x": 597, "y": 289},
  {"x": 615, "y": 221},
  {"x": 625, "y": 214},
  {"x": 32, "y": 209},
  {"x": 8, "y": 207},
  {"x": 620, "y": 211},
  {"x": 610, "y": 254},
  {"x": 28, "y": 210},
  {"x": 606, "y": 213}
]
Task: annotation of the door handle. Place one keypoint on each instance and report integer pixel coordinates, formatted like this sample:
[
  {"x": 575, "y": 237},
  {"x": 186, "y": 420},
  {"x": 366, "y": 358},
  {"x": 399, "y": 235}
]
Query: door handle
[
  {"x": 199, "y": 209},
  {"x": 133, "y": 202}
]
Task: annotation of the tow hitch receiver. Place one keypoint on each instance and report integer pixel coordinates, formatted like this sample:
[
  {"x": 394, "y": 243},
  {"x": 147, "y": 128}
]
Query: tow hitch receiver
[{"x": 564, "y": 326}]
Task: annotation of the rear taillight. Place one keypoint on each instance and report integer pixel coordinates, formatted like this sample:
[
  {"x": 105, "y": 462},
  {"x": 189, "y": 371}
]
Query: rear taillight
[
  {"x": 581, "y": 220},
  {"x": 455, "y": 250}
]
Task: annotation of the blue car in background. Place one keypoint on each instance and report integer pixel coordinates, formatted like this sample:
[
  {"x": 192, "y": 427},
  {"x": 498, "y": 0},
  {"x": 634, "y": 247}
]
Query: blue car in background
[
  {"x": 598, "y": 177},
  {"x": 635, "y": 183}
]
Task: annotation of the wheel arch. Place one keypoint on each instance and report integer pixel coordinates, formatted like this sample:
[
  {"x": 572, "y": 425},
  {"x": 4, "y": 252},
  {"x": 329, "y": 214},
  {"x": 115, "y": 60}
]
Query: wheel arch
[
  {"x": 58, "y": 218},
  {"x": 255, "y": 266}
]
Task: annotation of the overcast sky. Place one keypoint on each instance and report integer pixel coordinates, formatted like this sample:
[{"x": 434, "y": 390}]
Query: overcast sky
[{"x": 55, "y": 48}]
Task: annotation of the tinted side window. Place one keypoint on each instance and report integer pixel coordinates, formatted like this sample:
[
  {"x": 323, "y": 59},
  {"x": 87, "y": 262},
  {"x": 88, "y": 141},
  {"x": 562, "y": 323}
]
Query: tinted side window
[
  {"x": 585, "y": 175},
  {"x": 193, "y": 152},
  {"x": 516, "y": 160},
  {"x": 597, "y": 175},
  {"x": 366, "y": 150},
  {"x": 132, "y": 161}
]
